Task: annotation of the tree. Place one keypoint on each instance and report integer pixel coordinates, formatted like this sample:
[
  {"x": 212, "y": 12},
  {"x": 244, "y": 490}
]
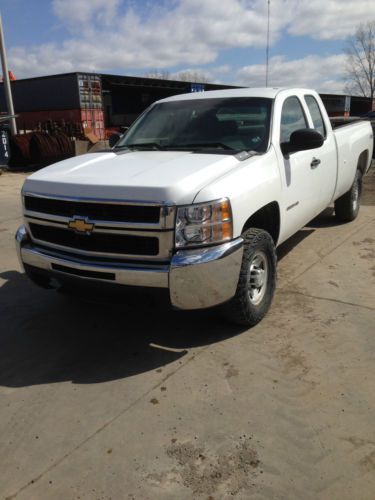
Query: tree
[
  {"x": 182, "y": 76},
  {"x": 158, "y": 74},
  {"x": 360, "y": 62},
  {"x": 191, "y": 76}
]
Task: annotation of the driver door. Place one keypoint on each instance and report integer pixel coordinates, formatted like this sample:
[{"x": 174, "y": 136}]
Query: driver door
[{"x": 300, "y": 177}]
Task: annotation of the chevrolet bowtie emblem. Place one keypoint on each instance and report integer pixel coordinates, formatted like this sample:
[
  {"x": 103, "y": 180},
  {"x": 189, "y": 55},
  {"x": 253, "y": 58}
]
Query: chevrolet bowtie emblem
[{"x": 81, "y": 225}]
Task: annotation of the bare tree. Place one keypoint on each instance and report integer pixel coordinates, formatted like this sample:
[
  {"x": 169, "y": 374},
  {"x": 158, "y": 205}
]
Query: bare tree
[
  {"x": 360, "y": 63},
  {"x": 182, "y": 76},
  {"x": 191, "y": 76},
  {"x": 158, "y": 74}
]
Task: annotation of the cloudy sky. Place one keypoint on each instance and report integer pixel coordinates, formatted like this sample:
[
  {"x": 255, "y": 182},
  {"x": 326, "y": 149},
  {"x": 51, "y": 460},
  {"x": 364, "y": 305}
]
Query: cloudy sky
[{"x": 224, "y": 39}]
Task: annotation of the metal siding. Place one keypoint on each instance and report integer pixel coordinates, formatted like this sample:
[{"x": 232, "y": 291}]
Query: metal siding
[{"x": 42, "y": 94}]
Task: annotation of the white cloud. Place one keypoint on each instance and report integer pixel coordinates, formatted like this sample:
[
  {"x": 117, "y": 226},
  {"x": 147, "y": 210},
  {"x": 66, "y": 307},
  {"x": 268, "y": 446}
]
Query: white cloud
[
  {"x": 329, "y": 19},
  {"x": 79, "y": 14},
  {"x": 321, "y": 73},
  {"x": 109, "y": 35}
]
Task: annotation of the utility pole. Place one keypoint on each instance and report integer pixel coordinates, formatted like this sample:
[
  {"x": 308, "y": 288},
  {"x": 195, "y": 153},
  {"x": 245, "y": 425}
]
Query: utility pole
[
  {"x": 7, "y": 88},
  {"x": 268, "y": 40}
]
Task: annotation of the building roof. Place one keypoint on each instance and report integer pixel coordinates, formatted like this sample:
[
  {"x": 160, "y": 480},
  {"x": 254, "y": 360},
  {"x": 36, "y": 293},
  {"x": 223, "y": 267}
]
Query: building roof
[{"x": 129, "y": 79}]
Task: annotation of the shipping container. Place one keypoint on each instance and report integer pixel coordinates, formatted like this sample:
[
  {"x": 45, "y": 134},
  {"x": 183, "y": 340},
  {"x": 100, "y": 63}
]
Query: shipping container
[
  {"x": 44, "y": 93},
  {"x": 344, "y": 105},
  {"x": 93, "y": 119},
  {"x": 92, "y": 100},
  {"x": 336, "y": 105},
  {"x": 361, "y": 105},
  {"x": 101, "y": 101}
]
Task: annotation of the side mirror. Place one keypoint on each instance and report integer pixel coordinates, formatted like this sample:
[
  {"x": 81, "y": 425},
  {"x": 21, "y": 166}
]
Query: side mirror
[
  {"x": 113, "y": 139},
  {"x": 301, "y": 140}
]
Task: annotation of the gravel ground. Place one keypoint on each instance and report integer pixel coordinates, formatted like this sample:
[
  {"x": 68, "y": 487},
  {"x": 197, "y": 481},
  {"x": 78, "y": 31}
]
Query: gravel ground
[{"x": 125, "y": 399}]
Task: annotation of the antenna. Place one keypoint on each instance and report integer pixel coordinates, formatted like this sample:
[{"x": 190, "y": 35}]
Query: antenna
[{"x": 268, "y": 40}]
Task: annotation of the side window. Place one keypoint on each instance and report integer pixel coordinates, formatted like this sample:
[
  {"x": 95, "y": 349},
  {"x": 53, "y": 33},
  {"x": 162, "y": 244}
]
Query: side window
[
  {"x": 292, "y": 118},
  {"x": 316, "y": 115}
]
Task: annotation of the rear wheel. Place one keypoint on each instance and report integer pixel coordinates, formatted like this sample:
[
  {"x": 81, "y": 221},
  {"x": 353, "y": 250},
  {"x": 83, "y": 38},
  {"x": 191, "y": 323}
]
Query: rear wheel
[
  {"x": 347, "y": 206},
  {"x": 257, "y": 281}
]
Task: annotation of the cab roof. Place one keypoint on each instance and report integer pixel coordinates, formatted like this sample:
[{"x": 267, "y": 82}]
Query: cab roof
[{"x": 265, "y": 92}]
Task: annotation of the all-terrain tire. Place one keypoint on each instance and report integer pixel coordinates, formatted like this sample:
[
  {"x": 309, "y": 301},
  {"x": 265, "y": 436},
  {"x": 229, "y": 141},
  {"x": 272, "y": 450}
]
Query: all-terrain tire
[
  {"x": 347, "y": 206},
  {"x": 257, "y": 280}
]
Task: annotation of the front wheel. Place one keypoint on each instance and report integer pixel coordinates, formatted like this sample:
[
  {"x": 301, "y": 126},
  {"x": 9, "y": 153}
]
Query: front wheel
[
  {"x": 347, "y": 206},
  {"x": 257, "y": 281}
]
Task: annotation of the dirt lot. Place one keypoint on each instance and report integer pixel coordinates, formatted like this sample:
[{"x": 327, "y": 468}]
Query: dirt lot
[{"x": 129, "y": 400}]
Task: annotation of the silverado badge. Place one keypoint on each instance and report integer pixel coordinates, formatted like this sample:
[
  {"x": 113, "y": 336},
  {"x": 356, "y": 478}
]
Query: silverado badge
[{"x": 81, "y": 225}]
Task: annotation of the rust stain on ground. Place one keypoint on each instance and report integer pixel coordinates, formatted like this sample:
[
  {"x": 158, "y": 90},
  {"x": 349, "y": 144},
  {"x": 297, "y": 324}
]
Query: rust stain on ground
[
  {"x": 368, "y": 462},
  {"x": 231, "y": 372},
  {"x": 333, "y": 283},
  {"x": 206, "y": 473}
]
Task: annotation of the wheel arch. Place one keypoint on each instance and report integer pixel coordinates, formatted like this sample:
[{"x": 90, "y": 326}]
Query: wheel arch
[
  {"x": 266, "y": 218},
  {"x": 363, "y": 161}
]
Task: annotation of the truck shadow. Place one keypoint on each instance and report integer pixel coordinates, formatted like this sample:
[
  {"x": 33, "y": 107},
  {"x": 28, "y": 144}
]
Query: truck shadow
[
  {"x": 325, "y": 219},
  {"x": 292, "y": 242},
  {"x": 47, "y": 338}
]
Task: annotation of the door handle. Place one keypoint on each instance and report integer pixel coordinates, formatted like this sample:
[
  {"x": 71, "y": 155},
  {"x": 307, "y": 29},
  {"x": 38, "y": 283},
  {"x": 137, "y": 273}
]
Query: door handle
[{"x": 315, "y": 162}]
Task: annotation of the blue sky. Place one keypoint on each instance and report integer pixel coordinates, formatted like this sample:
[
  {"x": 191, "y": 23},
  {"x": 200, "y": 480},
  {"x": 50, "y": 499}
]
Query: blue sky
[{"x": 223, "y": 40}]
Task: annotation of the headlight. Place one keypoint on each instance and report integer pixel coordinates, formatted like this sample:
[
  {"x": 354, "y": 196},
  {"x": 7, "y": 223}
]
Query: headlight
[{"x": 204, "y": 224}]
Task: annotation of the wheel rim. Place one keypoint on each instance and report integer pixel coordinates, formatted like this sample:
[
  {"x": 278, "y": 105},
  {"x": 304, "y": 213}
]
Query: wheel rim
[
  {"x": 258, "y": 277},
  {"x": 355, "y": 196}
]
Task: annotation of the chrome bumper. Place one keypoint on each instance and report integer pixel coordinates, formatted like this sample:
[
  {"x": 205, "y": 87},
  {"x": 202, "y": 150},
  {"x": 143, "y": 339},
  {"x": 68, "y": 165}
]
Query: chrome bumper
[
  {"x": 196, "y": 279},
  {"x": 205, "y": 277}
]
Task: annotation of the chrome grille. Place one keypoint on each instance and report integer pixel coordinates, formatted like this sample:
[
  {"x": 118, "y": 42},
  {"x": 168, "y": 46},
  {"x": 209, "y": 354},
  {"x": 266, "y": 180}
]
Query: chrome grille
[
  {"x": 95, "y": 211},
  {"x": 96, "y": 242},
  {"x": 136, "y": 230}
]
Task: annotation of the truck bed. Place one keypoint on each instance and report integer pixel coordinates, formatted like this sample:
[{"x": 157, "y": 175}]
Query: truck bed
[{"x": 344, "y": 121}]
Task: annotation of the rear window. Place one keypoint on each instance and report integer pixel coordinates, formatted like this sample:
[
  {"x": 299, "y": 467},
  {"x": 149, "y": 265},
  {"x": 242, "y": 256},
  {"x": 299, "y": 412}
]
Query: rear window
[
  {"x": 316, "y": 115},
  {"x": 292, "y": 118}
]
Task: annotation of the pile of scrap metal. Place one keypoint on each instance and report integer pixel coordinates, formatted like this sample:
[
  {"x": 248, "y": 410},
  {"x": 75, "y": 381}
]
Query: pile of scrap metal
[
  {"x": 37, "y": 149},
  {"x": 70, "y": 129}
]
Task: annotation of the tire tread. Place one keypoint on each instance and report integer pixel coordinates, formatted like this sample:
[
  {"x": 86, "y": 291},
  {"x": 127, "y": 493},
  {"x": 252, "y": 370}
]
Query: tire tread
[
  {"x": 239, "y": 310},
  {"x": 343, "y": 206}
]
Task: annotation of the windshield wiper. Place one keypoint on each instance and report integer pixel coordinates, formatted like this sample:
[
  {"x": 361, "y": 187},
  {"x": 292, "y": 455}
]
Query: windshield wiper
[
  {"x": 201, "y": 145},
  {"x": 194, "y": 146},
  {"x": 141, "y": 145}
]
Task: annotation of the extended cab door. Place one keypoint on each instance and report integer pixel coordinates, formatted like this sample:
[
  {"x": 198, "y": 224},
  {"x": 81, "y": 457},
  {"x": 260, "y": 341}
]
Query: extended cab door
[
  {"x": 326, "y": 169},
  {"x": 302, "y": 174}
]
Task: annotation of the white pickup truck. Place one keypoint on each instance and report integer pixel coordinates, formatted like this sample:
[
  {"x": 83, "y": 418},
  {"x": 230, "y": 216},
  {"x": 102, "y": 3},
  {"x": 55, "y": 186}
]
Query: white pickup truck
[{"x": 195, "y": 198}]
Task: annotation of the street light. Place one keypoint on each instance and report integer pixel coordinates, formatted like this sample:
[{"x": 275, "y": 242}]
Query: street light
[{"x": 7, "y": 88}]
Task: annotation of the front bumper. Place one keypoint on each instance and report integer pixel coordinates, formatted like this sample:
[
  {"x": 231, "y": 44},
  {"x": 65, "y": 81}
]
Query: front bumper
[{"x": 196, "y": 279}]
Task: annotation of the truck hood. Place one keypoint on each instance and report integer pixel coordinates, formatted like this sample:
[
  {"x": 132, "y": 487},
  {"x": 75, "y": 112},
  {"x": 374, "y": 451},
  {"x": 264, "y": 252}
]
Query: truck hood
[{"x": 159, "y": 176}]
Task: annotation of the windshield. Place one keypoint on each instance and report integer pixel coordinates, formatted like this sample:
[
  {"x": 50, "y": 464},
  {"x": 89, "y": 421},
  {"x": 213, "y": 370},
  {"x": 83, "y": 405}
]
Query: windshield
[{"x": 227, "y": 125}]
